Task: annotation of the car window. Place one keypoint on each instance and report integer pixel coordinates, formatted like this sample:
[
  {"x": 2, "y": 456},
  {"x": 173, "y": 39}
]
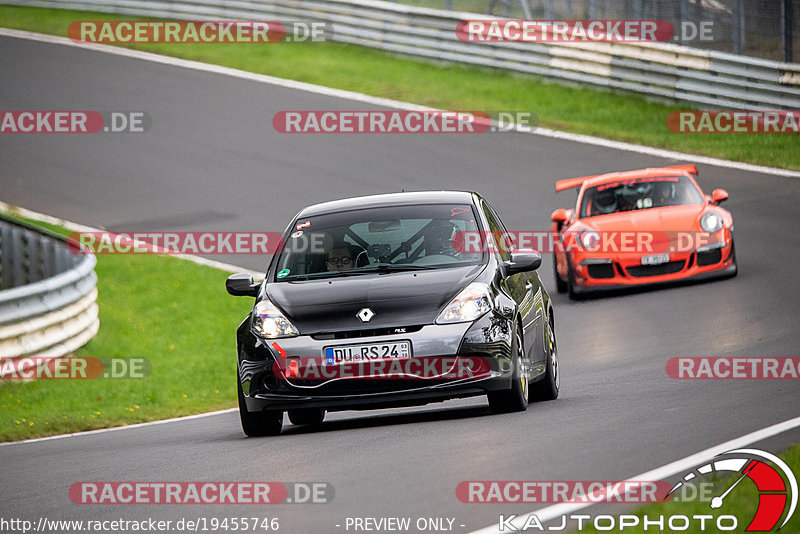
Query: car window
[
  {"x": 501, "y": 240},
  {"x": 639, "y": 194},
  {"x": 355, "y": 242}
]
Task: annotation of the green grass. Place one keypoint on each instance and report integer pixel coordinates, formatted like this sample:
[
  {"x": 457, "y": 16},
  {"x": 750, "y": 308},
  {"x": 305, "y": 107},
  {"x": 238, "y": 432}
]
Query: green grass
[
  {"x": 742, "y": 502},
  {"x": 172, "y": 312},
  {"x": 622, "y": 117}
]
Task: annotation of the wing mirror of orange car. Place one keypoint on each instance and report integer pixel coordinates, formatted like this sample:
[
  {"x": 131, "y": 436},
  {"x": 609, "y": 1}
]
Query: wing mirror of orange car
[
  {"x": 718, "y": 196},
  {"x": 559, "y": 216}
]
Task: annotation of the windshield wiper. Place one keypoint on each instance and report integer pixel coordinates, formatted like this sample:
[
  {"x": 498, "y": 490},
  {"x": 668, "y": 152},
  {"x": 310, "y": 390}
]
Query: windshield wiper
[
  {"x": 391, "y": 268},
  {"x": 320, "y": 276},
  {"x": 378, "y": 268}
]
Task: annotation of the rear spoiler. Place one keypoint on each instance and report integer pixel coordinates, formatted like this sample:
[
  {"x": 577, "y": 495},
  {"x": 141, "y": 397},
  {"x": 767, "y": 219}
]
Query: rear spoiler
[{"x": 570, "y": 183}]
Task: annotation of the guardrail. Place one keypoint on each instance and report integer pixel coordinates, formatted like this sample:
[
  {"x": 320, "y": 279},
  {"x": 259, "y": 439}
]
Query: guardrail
[
  {"x": 705, "y": 78},
  {"x": 47, "y": 294}
]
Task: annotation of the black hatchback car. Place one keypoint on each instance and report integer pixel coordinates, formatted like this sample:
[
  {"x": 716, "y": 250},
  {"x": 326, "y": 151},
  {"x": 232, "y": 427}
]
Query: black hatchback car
[{"x": 393, "y": 300}]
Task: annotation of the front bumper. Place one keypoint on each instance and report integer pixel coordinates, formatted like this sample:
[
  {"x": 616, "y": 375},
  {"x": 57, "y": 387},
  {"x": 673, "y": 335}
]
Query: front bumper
[
  {"x": 263, "y": 368},
  {"x": 627, "y": 271}
]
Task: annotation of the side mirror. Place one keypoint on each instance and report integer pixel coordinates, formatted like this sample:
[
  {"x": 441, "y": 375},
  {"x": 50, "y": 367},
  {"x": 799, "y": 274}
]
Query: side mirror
[
  {"x": 523, "y": 262},
  {"x": 559, "y": 216},
  {"x": 242, "y": 285},
  {"x": 719, "y": 196}
]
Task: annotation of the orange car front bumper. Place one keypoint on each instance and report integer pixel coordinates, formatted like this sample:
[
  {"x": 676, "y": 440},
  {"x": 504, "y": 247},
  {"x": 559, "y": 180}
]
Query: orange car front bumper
[{"x": 594, "y": 273}]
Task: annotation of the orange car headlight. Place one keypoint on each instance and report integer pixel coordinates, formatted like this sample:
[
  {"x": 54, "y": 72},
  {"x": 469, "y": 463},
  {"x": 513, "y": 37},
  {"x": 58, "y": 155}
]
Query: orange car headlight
[
  {"x": 589, "y": 239},
  {"x": 711, "y": 222}
]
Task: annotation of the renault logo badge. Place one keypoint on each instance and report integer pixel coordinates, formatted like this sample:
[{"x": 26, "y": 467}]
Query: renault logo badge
[{"x": 365, "y": 315}]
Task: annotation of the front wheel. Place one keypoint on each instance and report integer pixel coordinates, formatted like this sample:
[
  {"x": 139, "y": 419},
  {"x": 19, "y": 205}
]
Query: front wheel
[
  {"x": 735, "y": 264},
  {"x": 573, "y": 295},
  {"x": 548, "y": 387},
  {"x": 516, "y": 398},
  {"x": 561, "y": 285},
  {"x": 258, "y": 424}
]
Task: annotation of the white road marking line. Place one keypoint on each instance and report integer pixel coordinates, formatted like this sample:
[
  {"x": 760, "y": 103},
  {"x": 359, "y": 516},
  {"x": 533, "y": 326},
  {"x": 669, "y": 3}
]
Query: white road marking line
[
  {"x": 548, "y": 513},
  {"x": 349, "y": 95},
  {"x": 76, "y": 227},
  {"x": 385, "y": 102},
  {"x": 29, "y": 214},
  {"x": 116, "y": 428}
]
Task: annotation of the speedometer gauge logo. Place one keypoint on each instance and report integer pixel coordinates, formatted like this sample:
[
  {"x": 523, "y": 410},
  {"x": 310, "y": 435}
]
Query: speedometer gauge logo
[{"x": 776, "y": 484}]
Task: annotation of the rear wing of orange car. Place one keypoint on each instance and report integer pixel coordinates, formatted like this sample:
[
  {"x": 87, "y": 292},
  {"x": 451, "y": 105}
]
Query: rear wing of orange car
[{"x": 571, "y": 183}]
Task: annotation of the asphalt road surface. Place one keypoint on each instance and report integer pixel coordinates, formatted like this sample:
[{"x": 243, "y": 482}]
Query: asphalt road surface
[{"x": 211, "y": 161}]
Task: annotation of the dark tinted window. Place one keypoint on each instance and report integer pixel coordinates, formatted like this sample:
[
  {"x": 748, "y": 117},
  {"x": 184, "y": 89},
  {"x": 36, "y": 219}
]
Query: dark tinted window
[
  {"x": 639, "y": 194},
  {"x": 501, "y": 240},
  {"x": 420, "y": 235}
]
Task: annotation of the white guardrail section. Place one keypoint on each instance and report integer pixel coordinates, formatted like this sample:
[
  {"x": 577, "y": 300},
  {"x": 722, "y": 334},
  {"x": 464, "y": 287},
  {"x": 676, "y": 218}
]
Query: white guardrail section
[
  {"x": 47, "y": 294},
  {"x": 708, "y": 79}
]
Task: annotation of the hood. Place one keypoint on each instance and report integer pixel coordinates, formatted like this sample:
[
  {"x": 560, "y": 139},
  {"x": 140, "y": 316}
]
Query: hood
[
  {"x": 398, "y": 299},
  {"x": 668, "y": 218},
  {"x": 665, "y": 227}
]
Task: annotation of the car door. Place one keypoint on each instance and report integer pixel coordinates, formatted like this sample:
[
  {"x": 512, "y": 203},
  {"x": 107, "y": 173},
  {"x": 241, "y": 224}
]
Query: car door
[{"x": 526, "y": 290}]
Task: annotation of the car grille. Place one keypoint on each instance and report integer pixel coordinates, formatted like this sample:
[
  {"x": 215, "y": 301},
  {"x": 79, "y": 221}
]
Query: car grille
[
  {"x": 603, "y": 270},
  {"x": 656, "y": 270},
  {"x": 350, "y": 334},
  {"x": 709, "y": 258}
]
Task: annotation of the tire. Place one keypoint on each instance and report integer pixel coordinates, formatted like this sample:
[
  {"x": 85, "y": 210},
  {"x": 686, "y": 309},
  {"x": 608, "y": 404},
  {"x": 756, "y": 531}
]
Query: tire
[
  {"x": 514, "y": 399},
  {"x": 308, "y": 416},
  {"x": 547, "y": 388},
  {"x": 561, "y": 286},
  {"x": 735, "y": 264},
  {"x": 258, "y": 424},
  {"x": 573, "y": 295}
]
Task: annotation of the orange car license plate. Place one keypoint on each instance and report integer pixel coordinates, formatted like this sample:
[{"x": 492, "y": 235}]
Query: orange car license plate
[{"x": 655, "y": 259}]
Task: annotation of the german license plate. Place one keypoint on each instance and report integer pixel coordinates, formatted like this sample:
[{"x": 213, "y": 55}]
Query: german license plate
[
  {"x": 366, "y": 352},
  {"x": 655, "y": 259}
]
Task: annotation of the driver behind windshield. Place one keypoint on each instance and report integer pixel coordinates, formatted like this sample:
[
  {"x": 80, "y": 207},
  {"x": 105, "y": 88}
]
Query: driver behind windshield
[
  {"x": 438, "y": 238},
  {"x": 339, "y": 258},
  {"x": 605, "y": 202}
]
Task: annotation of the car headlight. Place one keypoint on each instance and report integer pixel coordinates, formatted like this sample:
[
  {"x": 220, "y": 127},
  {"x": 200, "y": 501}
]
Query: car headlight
[
  {"x": 589, "y": 239},
  {"x": 711, "y": 222},
  {"x": 473, "y": 301},
  {"x": 270, "y": 323}
]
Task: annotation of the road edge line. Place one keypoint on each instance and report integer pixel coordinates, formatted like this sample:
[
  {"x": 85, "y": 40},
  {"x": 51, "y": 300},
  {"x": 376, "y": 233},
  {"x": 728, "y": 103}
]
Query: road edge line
[
  {"x": 76, "y": 227},
  {"x": 386, "y": 102},
  {"x": 548, "y": 513},
  {"x": 116, "y": 428}
]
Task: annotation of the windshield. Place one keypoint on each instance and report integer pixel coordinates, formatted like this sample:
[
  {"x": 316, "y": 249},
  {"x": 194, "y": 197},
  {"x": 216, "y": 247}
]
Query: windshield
[
  {"x": 639, "y": 194},
  {"x": 387, "y": 239}
]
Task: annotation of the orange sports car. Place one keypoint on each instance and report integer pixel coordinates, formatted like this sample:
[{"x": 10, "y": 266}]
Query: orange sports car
[{"x": 640, "y": 227}]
